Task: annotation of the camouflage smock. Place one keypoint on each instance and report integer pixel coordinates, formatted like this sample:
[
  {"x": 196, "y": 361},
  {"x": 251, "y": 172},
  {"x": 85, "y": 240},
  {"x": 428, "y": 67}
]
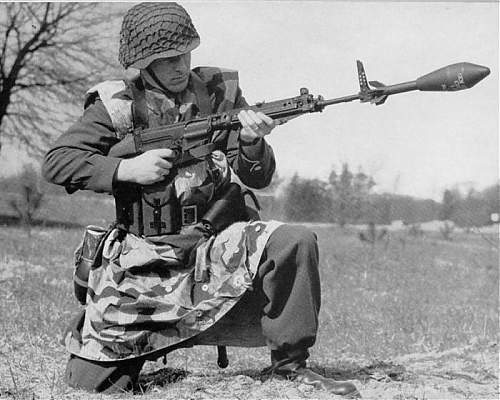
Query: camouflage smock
[{"x": 139, "y": 299}]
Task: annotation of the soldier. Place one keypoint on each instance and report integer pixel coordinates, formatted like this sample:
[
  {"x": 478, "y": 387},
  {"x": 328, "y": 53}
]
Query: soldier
[{"x": 164, "y": 277}]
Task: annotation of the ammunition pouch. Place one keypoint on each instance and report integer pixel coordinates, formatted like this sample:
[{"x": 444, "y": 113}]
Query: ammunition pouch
[
  {"x": 147, "y": 211},
  {"x": 156, "y": 211},
  {"x": 87, "y": 257}
]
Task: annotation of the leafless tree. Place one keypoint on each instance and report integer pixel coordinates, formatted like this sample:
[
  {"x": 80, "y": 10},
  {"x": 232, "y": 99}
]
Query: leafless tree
[{"x": 50, "y": 53}]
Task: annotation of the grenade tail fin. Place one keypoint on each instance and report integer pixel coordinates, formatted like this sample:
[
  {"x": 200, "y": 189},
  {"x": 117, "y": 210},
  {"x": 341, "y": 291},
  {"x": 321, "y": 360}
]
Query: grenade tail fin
[{"x": 363, "y": 83}]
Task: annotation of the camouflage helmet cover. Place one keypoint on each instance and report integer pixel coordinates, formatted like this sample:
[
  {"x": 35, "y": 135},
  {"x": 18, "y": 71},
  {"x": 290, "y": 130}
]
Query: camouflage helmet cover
[{"x": 155, "y": 30}]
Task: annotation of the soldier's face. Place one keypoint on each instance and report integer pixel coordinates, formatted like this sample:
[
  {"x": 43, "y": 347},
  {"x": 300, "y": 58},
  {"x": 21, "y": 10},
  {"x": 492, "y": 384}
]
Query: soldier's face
[{"x": 172, "y": 72}]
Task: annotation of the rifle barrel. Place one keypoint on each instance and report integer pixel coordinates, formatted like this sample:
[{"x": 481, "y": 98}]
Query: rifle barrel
[
  {"x": 379, "y": 91},
  {"x": 337, "y": 100}
]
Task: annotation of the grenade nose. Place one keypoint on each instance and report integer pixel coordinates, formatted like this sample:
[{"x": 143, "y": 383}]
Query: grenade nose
[
  {"x": 483, "y": 72},
  {"x": 474, "y": 73}
]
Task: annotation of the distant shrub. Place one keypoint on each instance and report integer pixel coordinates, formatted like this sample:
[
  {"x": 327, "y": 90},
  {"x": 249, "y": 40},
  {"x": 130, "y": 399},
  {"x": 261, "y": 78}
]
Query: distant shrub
[
  {"x": 446, "y": 230},
  {"x": 372, "y": 234},
  {"x": 28, "y": 198},
  {"x": 415, "y": 230}
]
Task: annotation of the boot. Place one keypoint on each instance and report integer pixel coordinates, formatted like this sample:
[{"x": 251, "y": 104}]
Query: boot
[{"x": 292, "y": 365}]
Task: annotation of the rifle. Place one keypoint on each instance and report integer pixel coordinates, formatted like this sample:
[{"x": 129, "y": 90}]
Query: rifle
[{"x": 192, "y": 140}]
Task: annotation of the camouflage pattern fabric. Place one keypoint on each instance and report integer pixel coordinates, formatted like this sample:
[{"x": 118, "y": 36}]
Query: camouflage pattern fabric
[
  {"x": 195, "y": 183},
  {"x": 139, "y": 299},
  {"x": 221, "y": 84}
]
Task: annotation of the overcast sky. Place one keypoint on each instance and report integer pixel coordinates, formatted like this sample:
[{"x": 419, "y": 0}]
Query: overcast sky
[{"x": 417, "y": 143}]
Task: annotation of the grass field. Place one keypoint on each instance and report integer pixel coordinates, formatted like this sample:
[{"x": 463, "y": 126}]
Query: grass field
[{"x": 410, "y": 318}]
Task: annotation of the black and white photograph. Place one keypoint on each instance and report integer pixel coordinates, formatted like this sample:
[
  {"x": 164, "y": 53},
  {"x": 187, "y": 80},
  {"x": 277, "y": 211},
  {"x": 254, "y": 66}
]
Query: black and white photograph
[{"x": 249, "y": 200}]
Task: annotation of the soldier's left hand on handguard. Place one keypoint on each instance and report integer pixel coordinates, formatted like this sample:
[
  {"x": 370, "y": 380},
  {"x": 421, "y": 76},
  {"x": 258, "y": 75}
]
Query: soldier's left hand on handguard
[{"x": 254, "y": 125}]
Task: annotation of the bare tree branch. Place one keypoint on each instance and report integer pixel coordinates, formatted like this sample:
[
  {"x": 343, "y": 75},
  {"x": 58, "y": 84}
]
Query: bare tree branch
[
  {"x": 49, "y": 55},
  {"x": 58, "y": 82},
  {"x": 8, "y": 30}
]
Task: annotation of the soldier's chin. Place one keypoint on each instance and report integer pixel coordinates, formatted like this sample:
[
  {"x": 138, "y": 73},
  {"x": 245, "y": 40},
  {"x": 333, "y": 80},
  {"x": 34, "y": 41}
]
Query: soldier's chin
[{"x": 179, "y": 86}]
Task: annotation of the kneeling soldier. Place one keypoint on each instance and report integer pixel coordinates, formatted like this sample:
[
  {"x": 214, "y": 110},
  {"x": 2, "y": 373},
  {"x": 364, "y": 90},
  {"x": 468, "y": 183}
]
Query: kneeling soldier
[{"x": 162, "y": 275}]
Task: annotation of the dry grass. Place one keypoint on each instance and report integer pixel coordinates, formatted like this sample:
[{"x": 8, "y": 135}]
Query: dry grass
[{"x": 416, "y": 319}]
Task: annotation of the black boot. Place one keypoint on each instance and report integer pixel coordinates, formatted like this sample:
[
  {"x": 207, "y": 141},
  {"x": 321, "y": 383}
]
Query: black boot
[{"x": 292, "y": 365}]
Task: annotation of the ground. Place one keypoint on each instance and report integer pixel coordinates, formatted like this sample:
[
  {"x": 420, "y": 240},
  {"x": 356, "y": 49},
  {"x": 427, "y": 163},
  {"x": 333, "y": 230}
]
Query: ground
[{"x": 405, "y": 318}]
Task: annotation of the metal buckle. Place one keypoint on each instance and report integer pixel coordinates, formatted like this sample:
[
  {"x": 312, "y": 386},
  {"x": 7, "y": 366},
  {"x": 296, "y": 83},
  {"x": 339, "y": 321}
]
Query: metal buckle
[{"x": 189, "y": 215}]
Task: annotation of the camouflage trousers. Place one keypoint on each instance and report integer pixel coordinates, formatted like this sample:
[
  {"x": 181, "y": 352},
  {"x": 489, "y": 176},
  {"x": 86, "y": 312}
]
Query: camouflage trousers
[{"x": 287, "y": 290}]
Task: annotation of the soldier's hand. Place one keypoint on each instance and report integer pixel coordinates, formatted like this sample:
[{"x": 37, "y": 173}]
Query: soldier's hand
[
  {"x": 254, "y": 125},
  {"x": 148, "y": 168}
]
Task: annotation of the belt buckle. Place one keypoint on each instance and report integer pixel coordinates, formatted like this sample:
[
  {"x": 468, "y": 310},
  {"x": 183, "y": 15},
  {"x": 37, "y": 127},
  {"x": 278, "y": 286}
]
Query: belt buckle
[{"x": 189, "y": 215}]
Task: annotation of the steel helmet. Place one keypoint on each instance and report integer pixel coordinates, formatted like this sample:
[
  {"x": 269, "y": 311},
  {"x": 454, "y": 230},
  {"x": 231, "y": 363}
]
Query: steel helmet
[{"x": 155, "y": 30}]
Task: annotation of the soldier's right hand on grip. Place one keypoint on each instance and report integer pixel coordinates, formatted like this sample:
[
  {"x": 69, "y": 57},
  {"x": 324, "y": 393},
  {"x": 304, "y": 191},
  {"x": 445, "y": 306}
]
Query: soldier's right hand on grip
[{"x": 148, "y": 168}]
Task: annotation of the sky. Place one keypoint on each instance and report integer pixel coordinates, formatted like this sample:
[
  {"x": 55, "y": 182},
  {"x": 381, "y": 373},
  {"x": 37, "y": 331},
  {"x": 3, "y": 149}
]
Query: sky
[{"x": 417, "y": 143}]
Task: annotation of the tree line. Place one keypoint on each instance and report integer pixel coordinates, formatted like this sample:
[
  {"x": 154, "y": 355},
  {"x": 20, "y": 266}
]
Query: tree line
[{"x": 347, "y": 198}]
